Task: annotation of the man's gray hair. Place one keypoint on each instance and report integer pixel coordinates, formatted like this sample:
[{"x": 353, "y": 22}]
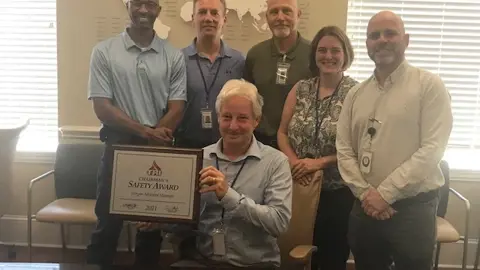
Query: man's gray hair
[{"x": 241, "y": 88}]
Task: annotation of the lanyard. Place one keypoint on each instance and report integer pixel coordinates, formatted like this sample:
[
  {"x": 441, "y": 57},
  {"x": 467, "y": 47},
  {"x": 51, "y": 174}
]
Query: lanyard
[
  {"x": 319, "y": 121},
  {"x": 234, "y": 179},
  {"x": 207, "y": 90}
]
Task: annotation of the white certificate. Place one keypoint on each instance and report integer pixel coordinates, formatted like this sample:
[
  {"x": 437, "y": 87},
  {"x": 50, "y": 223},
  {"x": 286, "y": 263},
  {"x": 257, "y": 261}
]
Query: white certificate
[{"x": 155, "y": 183}]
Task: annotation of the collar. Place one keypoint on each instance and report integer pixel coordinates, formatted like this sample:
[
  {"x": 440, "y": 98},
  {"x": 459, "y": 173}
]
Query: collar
[
  {"x": 397, "y": 74},
  {"x": 291, "y": 53},
  {"x": 225, "y": 50},
  {"x": 156, "y": 44},
  {"x": 253, "y": 151}
]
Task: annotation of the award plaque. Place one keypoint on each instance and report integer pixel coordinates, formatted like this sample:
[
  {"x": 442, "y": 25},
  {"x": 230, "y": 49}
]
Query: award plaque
[{"x": 156, "y": 184}]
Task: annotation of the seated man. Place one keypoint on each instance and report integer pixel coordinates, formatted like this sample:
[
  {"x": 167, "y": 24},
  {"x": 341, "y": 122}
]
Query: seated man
[{"x": 246, "y": 188}]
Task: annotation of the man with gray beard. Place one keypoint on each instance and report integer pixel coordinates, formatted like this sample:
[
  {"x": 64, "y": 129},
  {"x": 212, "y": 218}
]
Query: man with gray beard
[{"x": 276, "y": 64}]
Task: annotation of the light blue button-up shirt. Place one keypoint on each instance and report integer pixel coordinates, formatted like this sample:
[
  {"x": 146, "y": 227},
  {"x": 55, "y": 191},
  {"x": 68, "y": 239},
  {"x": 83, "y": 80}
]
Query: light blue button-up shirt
[
  {"x": 139, "y": 81},
  {"x": 257, "y": 207}
]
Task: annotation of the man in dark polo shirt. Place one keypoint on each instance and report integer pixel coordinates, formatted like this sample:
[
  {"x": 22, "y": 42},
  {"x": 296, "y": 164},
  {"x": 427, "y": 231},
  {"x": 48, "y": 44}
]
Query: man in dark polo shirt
[
  {"x": 276, "y": 64},
  {"x": 210, "y": 63}
]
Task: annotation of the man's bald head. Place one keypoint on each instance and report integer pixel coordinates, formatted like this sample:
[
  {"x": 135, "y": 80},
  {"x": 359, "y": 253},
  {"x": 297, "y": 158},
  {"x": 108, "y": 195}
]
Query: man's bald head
[
  {"x": 386, "y": 40},
  {"x": 387, "y": 16},
  {"x": 143, "y": 13}
]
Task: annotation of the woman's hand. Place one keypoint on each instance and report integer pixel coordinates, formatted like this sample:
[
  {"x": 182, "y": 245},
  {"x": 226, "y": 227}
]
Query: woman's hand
[
  {"x": 306, "y": 166},
  {"x": 304, "y": 180}
]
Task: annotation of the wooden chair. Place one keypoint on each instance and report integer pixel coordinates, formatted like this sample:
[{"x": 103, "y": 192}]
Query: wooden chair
[{"x": 296, "y": 244}]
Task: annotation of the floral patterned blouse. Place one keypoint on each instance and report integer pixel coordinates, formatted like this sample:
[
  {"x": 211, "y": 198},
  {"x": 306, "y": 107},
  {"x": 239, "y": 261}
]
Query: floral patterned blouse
[{"x": 301, "y": 129}]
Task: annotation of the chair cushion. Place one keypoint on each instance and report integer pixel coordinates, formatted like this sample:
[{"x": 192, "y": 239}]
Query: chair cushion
[
  {"x": 73, "y": 211},
  {"x": 446, "y": 233}
]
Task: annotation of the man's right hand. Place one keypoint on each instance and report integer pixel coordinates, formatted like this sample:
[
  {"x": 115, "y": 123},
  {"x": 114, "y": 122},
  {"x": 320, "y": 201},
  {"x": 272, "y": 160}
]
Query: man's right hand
[
  {"x": 160, "y": 135},
  {"x": 387, "y": 214}
]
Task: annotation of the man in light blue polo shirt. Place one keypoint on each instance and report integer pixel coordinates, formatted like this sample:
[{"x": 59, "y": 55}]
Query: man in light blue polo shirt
[
  {"x": 138, "y": 87},
  {"x": 210, "y": 63}
]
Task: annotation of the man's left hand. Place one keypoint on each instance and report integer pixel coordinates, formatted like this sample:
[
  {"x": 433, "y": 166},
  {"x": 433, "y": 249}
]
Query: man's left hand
[
  {"x": 373, "y": 204},
  {"x": 212, "y": 179}
]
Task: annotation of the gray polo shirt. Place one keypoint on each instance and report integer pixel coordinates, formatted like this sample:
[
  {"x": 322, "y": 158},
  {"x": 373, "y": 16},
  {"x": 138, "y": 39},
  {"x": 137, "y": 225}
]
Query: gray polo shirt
[
  {"x": 261, "y": 70},
  {"x": 139, "y": 81},
  {"x": 229, "y": 64}
]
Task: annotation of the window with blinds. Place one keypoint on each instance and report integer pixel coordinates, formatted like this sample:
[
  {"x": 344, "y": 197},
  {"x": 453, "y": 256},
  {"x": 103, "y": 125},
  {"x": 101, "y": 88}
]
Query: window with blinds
[
  {"x": 28, "y": 71},
  {"x": 445, "y": 39}
]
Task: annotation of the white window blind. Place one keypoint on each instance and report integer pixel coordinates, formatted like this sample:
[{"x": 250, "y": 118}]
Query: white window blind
[
  {"x": 28, "y": 71},
  {"x": 445, "y": 39}
]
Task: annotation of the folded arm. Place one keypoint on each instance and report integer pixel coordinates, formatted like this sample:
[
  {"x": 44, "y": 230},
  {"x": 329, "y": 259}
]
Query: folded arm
[
  {"x": 177, "y": 95},
  {"x": 274, "y": 215},
  {"x": 435, "y": 128}
]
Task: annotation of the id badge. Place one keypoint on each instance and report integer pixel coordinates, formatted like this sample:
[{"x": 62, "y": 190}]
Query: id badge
[
  {"x": 366, "y": 162},
  {"x": 282, "y": 73},
  {"x": 206, "y": 118},
  {"x": 218, "y": 241}
]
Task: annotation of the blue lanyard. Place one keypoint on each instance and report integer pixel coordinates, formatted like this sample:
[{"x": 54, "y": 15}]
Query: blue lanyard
[{"x": 208, "y": 89}]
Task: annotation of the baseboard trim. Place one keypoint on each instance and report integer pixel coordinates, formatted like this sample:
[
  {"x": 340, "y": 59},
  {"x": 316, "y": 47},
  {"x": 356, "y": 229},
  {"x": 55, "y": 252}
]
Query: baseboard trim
[{"x": 13, "y": 232}]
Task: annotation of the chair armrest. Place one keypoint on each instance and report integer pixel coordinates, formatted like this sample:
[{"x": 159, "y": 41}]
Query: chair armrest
[
  {"x": 302, "y": 253},
  {"x": 30, "y": 189},
  {"x": 467, "y": 221}
]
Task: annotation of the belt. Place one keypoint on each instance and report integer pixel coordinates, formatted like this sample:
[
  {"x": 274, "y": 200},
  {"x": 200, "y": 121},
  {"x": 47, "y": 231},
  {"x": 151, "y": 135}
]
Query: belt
[{"x": 111, "y": 135}]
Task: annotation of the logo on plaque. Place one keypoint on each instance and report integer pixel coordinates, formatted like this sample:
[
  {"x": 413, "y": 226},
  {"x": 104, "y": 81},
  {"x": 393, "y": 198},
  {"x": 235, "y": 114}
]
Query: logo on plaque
[{"x": 154, "y": 170}]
